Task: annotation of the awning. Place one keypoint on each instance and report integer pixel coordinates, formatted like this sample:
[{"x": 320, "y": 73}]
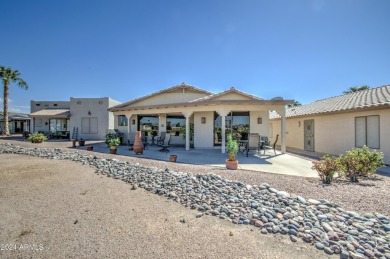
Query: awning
[{"x": 51, "y": 113}]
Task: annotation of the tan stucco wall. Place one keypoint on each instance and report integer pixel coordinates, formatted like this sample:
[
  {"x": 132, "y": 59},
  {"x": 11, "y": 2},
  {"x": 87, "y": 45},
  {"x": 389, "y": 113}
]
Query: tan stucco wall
[
  {"x": 334, "y": 134},
  {"x": 203, "y": 133},
  {"x": 261, "y": 129},
  {"x": 232, "y": 96}
]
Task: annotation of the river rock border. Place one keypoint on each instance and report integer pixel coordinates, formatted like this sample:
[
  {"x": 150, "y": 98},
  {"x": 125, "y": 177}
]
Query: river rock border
[{"x": 321, "y": 223}]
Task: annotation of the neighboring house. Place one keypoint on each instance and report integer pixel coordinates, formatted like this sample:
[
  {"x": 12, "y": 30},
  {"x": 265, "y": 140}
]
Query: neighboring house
[
  {"x": 17, "y": 122},
  {"x": 174, "y": 110},
  {"x": 341, "y": 123},
  {"x": 60, "y": 118}
]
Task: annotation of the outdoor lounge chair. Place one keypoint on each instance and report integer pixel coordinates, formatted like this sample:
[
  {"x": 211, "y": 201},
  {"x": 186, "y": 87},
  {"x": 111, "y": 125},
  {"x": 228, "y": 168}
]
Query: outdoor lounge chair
[
  {"x": 166, "y": 145},
  {"x": 268, "y": 146},
  {"x": 253, "y": 143}
]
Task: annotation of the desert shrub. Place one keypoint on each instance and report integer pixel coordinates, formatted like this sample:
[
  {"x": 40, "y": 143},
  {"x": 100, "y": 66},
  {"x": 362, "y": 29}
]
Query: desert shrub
[
  {"x": 326, "y": 168},
  {"x": 360, "y": 162},
  {"x": 231, "y": 147},
  {"x": 37, "y": 137},
  {"x": 114, "y": 142}
]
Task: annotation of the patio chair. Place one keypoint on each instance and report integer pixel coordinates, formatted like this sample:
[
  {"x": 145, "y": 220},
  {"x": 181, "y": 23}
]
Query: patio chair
[
  {"x": 130, "y": 140},
  {"x": 268, "y": 146},
  {"x": 166, "y": 145},
  {"x": 253, "y": 143},
  {"x": 160, "y": 138}
]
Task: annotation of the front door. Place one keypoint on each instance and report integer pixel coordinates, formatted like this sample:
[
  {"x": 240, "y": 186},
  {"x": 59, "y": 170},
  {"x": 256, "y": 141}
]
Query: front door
[{"x": 309, "y": 135}]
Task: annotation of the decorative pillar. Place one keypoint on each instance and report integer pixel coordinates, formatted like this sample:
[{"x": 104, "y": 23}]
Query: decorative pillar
[{"x": 283, "y": 129}]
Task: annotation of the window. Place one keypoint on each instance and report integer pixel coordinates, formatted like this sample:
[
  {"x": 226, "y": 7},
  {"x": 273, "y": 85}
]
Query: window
[
  {"x": 148, "y": 124},
  {"x": 55, "y": 104},
  {"x": 37, "y": 104},
  {"x": 89, "y": 125},
  {"x": 78, "y": 102},
  {"x": 58, "y": 125},
  {"x": 122, "y": 120},
  {"x": 367, "y": 131}
]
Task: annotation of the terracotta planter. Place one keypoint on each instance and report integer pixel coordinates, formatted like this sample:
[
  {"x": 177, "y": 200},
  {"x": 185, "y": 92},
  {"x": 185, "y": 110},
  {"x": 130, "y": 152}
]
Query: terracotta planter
[
  {"x": 112, "y": 150},
  {"x": 90, "y": 148},
  {"x": 81, "y": 143},
  {"x": 138, "y": 146},
  {"x": 172, "y": 158},
  {"x": 231, "y": 165},
  {"x": 74, "y": 142}
]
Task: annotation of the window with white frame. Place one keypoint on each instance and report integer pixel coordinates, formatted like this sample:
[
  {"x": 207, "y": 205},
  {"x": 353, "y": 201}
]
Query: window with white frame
[
  {"x": 122, "y": 120},
  {"x": 89, "y": 125},
  {"x": 367, "y": 131}
]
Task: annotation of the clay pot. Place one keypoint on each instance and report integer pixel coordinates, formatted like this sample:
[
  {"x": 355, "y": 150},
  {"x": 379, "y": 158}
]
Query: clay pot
[
  {"x": 138, "y": 146},
  {"x": 231, "y": 164},
  {"x": 74, "y": 142},
  {"x": 90, "y": 148},
  {"x": 172, "y": 158},
  {"x": 81, "y": 143},
  {"x": 112, "y": 150}
]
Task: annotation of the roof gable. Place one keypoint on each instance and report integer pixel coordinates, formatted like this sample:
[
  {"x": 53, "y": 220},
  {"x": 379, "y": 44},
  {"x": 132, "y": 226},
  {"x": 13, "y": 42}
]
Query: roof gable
[
  {"x": 178, "y": 93},
  {"x": 231, "y": 94}
]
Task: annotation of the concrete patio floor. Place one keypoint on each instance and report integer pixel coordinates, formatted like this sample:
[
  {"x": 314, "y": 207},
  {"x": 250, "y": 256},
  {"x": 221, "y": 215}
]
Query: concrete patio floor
[{"x": 279, "y": 164}]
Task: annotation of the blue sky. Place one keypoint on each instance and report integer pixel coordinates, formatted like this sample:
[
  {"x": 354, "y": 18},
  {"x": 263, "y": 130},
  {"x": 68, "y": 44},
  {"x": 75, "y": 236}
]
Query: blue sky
[{"x": 303, "y": 49}]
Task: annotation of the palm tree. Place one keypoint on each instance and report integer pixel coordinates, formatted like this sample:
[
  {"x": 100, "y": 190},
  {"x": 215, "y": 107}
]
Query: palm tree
[
  {"x": 356, "y": 89},
  {"x": 9, "y": 76},
  {"x": 295, "y": 104}
]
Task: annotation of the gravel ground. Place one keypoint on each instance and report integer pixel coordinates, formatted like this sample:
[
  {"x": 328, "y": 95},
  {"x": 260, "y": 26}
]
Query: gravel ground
[
  {"x": 370, "y": 195},
  {"x": 62, "y": 209}
]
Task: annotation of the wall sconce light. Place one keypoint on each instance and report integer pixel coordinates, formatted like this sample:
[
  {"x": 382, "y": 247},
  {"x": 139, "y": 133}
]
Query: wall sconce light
[
  {"x": 259, "y": 120},
  {"x": 89, "y": 112},
  {"x": 203, "y": 120},
  {"x": 299, "y": 123},
  {"x": 46, "y": 123},
  {"x": 133, "y": 121}
]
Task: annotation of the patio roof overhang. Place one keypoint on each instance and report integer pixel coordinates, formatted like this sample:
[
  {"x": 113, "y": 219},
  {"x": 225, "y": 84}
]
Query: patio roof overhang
[
  {"x": 51, "y": 113},
  {"x": 205, "y": 104}
]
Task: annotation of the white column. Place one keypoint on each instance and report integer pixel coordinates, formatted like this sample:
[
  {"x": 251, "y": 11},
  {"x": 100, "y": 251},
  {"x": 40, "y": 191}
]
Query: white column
[
  {"x": 187, "y": 116},
  {"x": 283, "y": 129},
  {"x": 223, "y": 114}
]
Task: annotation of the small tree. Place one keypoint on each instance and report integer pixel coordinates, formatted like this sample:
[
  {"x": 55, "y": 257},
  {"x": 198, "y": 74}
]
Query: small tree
[
  {"x": 360, "y": 162},
  {"x": 326, "y": 168}
]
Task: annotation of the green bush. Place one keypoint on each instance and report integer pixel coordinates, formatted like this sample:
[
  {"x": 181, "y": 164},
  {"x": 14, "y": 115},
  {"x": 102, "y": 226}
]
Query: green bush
[
  {"x": 37, "y": 137},
  {"x": 231, "y": 147},
  {"x": 360, "y": 162},
  {"x": 326, "y": 168},
  {"x": 112, "y": 134},
  {"x": 114, "y": 142}
]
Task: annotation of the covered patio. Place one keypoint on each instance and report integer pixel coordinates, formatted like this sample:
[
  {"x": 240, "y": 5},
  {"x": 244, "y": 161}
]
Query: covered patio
[{"x": 286, "y": 163}]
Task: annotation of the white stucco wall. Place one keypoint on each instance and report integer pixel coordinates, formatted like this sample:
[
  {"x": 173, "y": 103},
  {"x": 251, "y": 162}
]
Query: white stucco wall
[
  {"x": 334, "y": 134},
  {"x": 203, "y": 133},
  {"x": 42, "y": 105},
  {"x": 80, "y": 107}
]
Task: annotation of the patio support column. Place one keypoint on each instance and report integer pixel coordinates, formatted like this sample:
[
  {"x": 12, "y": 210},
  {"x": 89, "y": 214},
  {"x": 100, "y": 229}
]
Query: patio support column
[
  {"x": 223, "y": 125},
  {"x": 283, "y": 129},
  {"x": 187, "y": 115}
]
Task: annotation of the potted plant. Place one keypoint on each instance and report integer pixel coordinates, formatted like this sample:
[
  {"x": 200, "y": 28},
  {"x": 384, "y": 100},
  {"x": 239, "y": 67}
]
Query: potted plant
[
  {"x": 113, "y": 144},
  {"x": 37, "y": 137},
  {"x": 81, "y": 142},
  {"x": 231, "y": 149}
]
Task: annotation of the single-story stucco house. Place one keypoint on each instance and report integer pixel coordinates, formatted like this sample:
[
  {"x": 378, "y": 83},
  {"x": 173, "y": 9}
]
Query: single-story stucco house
[
  {"x": 17, "y": 122},
  {"x": 341, "y": 123},
  {"x": 182, "y": 109},
  {"x": 60, "y": 118}
]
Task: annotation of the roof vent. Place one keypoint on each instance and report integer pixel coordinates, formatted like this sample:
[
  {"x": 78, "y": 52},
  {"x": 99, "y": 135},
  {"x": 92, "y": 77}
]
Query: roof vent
[{"x": 278, "y": 98}]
